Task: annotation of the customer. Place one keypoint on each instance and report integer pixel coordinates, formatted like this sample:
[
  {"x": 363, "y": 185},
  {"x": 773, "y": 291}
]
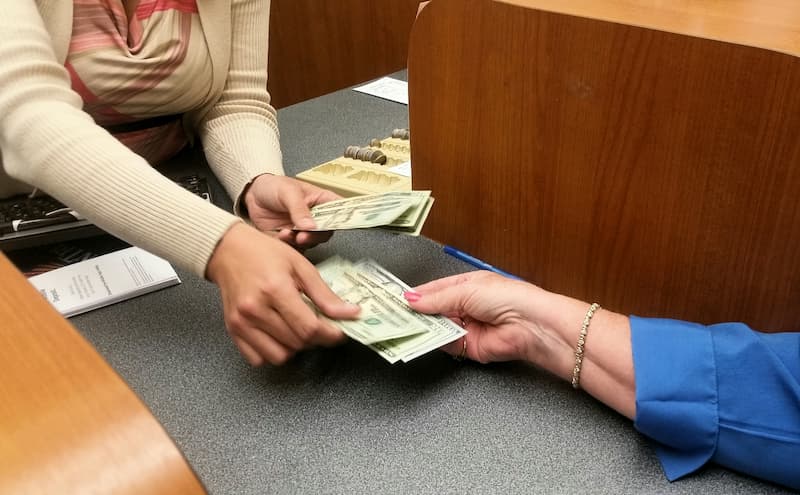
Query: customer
[
  {"x": 721, "y": 393},
  {"x": 94, "y": 92}
]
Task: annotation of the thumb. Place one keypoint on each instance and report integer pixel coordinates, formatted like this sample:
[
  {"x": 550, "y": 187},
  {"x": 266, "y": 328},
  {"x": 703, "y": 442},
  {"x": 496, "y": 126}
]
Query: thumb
[
  {"x": 295, "y": 204},
  {"x": 323, "y": 297},
  {"x": 449, "y": 300}
]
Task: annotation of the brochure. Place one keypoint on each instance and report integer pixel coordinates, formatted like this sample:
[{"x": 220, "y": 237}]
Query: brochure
[{"x": 104, "y": 280}]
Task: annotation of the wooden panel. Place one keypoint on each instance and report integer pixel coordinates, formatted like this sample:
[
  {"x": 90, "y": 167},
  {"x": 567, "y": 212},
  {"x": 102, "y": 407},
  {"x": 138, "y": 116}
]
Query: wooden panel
[
  {"x": 654, "y": 172},
  {"x": 320, "y": 46},
  {"x": 770, "y": 24},
  {"x": 68, "y": 423}
]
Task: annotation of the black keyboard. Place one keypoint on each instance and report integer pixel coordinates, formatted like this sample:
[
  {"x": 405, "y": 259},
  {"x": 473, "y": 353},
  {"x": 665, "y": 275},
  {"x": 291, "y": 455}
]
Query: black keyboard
[
  {"x": 25, "y": 208},
  {"x": 197, "y": 185},
  {"x": 27, "y": 222}
]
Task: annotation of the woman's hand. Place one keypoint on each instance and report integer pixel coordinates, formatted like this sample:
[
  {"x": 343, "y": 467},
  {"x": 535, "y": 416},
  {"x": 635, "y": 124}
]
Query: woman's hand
[
  {"x": 261, "y": 280},
  {"x": 505, "y": 319},
  {"x": 509, "y": 320},
  {"x": 280, "y": 203},
  {"x": 495, "y": 311}
]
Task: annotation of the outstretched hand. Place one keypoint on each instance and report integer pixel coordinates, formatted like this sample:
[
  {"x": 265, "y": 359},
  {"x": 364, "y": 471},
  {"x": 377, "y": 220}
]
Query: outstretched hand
[
  {"x": 281, "y": 203},
  {"x": 513, "y": 320},
  {"x": 493, "y": 309},
  {"x": 261, "y": 280}
]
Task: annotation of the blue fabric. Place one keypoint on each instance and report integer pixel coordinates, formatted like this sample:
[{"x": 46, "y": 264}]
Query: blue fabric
[{"x": 721, "y": 393}]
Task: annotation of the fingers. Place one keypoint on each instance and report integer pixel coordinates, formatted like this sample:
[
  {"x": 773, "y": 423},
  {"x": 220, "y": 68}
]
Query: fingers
[
  {"x": 303, "y": 240},
  {"x": 321, "y": 195},
  {"x": 310, "y": 239},
  {"x": 284, "y": 195},
  {"x": 288, "y": 236},
  {"x": 281, "y": 313},
  {"x": 454, "y": 348},
  {"x": 266, "y": 346},
  {"x": 250, "y": 354},
  {"x": 266, "y": 335},
  {"x": 460, "y": 349},
  {"x": 306, "y": 325},
  {"x": 254, "y": 314},
  {"x": 297, "y": 201},
  {"x": 447, "y": 299},
  {"x": 264, "y": 308},
  {"x": 294, "y": 200},
  {"x": 279, "y": 203},
  {"x": 324, "y": 298}
]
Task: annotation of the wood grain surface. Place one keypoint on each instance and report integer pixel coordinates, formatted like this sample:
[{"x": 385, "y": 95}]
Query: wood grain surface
[
  {"x": 320, "y": 46},
  {"x": 68, "y": 423},
  {"x": 654, "y": 171}
]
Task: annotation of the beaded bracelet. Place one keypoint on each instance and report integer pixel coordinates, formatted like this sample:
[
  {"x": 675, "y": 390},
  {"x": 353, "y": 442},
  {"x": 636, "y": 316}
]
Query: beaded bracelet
[{"x": 576, "y": 372}]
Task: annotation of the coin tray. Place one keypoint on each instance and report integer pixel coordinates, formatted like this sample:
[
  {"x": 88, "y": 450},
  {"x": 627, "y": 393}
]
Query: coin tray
[{"x": 349, "y": 177}]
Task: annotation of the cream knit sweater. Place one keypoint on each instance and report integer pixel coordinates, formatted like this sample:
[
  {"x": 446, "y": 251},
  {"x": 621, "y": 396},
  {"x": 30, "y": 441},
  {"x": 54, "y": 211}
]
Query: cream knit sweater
[{"x": 47, "y": 141}]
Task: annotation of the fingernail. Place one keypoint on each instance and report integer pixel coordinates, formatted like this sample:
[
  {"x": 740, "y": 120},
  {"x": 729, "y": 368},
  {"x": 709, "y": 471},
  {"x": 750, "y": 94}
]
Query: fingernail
[{"x": 412, "y": 296}]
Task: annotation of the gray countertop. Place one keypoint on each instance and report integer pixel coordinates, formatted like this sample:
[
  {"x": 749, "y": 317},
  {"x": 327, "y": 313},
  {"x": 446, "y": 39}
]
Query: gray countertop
[{"x": 343, "y": 420}]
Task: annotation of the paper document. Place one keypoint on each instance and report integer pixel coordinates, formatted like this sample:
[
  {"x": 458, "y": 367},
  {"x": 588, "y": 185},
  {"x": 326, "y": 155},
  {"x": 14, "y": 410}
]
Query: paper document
[
  {"x": 386, "y": 88},
  {"x": 403, "y": 169},
  {"x": 107, "y": 279}
]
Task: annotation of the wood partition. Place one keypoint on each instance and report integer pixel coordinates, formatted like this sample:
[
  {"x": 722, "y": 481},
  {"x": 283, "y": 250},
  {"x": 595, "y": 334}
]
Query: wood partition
[
  {"x": 638, "y": 153},
  {"x": 68, "y": 423},
  {"x": 320, "y": 46}
]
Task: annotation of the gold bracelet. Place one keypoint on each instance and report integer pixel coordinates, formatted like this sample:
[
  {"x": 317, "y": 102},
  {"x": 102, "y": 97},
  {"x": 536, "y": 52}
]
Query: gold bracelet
[{"x": 576, "y": 372}]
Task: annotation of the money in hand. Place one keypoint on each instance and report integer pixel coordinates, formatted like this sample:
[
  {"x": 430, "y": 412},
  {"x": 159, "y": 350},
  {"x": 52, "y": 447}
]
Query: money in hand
[
  {"x": 386, "y": 323},
  {"x": 399, "y": 211}
]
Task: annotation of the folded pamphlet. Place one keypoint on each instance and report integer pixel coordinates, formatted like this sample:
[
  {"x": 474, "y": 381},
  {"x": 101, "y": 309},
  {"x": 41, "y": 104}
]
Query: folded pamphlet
[{"x": 104, "y": 280}]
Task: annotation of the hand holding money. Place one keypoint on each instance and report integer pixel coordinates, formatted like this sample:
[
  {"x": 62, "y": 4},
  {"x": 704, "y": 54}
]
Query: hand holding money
[
  {"x": 403, "y": 212},
  {"x": 386, "y": 323}
]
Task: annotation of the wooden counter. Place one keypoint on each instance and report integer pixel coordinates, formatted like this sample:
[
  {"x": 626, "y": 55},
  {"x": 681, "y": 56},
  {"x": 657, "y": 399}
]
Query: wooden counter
[{"x": 68, "y": 423}]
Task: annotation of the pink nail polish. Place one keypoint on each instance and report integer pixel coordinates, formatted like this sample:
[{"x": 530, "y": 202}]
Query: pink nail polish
[{"x": 412, "y": 296}]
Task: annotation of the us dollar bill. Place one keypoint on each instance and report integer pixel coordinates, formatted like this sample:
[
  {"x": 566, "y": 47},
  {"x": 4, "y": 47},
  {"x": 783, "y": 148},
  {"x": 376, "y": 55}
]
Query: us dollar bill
[
  {"x": 400, "y": 211},
  {"x": 416, "y": 228},
  {"x": 418, "y": 201},
  {"x": 361, "y": 216},
  {"x": 443, "y": 332},
  {"x": 379, "y": 292},
  {"x": 381, "y": 317}
]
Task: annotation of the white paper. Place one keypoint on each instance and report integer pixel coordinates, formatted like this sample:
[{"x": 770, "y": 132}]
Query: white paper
[
  {"x": 401, "y": 169},
  {"x": 387, "y": 88},
  {"x": 104, "y": 280}
]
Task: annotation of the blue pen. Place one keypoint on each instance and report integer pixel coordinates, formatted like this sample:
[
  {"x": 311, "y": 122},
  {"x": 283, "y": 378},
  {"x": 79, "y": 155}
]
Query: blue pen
[{"x": 476, "y": 262}]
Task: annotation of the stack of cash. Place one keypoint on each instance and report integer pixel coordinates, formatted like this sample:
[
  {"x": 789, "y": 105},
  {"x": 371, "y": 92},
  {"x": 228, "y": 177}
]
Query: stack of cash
[
  {"x": 403, "y": 212},
  {"x": 386, "y": 324}
]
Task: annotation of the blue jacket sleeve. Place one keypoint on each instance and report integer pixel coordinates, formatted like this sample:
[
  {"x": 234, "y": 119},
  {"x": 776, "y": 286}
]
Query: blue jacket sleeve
[{"x": 721, "y": 393}]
